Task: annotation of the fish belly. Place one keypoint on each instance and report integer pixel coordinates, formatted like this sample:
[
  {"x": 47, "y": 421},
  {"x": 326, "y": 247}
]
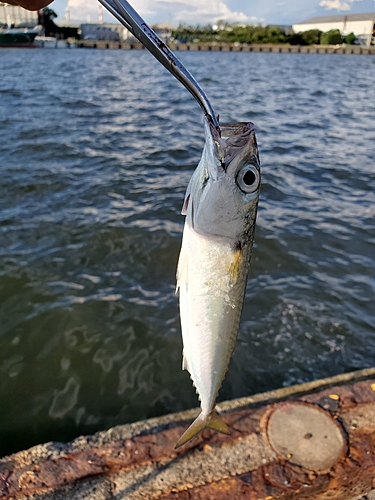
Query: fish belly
[{"x": 211, "y": 279}]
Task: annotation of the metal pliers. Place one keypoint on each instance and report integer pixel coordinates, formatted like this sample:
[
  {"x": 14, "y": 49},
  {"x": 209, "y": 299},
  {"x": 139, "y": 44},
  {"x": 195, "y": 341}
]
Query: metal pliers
[{"x": 127, "y": 16}]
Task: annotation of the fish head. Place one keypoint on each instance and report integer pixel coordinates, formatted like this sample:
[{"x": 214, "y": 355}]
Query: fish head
[{"x": 222, "y": 196}]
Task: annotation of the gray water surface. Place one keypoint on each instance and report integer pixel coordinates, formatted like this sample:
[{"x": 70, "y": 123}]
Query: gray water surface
[{"x": 96, "y": 149}]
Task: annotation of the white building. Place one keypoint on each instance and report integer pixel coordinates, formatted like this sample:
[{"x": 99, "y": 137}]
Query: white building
[
  {"x": 164, "y": 30},
  {"x": 14, "y": 15},
  {"x": 362, "y": 25},
  {"x": 112, "y": 32}
]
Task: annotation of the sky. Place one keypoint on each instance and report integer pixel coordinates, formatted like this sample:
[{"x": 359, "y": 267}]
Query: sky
[{"x": 284, "y": 12}]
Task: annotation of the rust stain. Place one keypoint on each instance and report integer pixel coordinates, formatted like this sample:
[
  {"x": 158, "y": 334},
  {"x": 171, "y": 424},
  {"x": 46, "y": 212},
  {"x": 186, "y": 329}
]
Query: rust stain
[
  {"x": 283, "y": 481},
  {"x": 279, "y": 480}
]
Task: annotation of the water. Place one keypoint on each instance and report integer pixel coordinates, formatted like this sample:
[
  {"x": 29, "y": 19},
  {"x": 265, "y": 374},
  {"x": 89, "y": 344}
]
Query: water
[{"x": 96, "y": 150}]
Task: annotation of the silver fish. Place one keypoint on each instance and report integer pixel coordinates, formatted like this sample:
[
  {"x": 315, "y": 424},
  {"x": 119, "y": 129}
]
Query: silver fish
[{"x": 220, "y": 207}]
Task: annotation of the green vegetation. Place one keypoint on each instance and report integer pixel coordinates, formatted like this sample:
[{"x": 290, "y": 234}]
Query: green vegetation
[
  {"x": 332, "y": 37},
  {"x": 350, "y": 39},
  {"x": 232, "y": 33},
  {"x": 46, "y": 19},
  {"x": 310, "y": 37},
  {"x": 254, "y": 34}
]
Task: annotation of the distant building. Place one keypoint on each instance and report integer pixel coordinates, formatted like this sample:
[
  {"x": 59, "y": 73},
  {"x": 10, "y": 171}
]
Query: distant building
[
  {"x": 127, "y": 36},
  {"x": 163, "y": 30},
  {"x": 362, "y": 25},
  {"x": 13, "y": 15},
  {"x": 112, "y": 32}
]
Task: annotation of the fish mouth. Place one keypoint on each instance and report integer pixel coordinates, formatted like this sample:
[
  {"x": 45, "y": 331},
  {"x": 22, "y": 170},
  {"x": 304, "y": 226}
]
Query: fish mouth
[
  {"x": 236, "y": 129},
  {"x": 231, "y": 140}
]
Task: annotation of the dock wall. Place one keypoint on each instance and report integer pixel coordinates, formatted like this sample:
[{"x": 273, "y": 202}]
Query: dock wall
[
  {"x": 204, "y": 47},
  {"x": 309, "y": 441}
]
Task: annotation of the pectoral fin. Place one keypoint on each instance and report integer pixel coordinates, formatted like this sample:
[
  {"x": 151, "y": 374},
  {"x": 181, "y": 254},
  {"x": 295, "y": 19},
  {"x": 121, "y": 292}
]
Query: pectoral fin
[
  {"x": 185, "y": 365},
  {"x": 185, "y": 205}
]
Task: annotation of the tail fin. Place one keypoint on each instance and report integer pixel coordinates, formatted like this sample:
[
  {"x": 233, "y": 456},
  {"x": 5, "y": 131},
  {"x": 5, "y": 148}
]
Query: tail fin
[{"x": 212, "y": 421}]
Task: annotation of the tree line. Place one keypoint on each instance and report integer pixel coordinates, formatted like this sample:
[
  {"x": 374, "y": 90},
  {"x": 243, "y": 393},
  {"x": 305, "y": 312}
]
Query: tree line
[
  {"x": 46, "y": 19},
  {"x": 231, "y": 33},
  {"x": 222, "y": 33}
]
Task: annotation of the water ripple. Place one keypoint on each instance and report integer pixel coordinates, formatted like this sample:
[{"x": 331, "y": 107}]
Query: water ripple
[{"x": 96, "y": 157}]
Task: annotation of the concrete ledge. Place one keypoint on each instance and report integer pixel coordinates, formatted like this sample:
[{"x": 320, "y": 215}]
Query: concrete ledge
[
  {"x": 231, "y": 47},
  {"x": 314, "y": 440}
]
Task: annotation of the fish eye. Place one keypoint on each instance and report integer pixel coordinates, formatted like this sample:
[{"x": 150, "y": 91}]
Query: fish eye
[{"x": 248, "y": 179}]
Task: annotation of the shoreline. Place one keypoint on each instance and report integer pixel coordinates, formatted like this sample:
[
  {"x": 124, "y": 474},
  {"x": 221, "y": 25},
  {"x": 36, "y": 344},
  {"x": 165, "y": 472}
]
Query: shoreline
[{"x": 206, "y": 47}]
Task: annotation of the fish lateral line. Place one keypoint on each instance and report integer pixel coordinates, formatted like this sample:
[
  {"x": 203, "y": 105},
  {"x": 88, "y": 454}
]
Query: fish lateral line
[{"x": 211, "y": 421}]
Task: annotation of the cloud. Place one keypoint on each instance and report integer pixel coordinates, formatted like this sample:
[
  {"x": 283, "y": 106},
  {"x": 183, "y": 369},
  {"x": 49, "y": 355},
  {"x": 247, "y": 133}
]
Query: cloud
[
  {"x": 198, "y": 11},
  {"x": 334, "y": 4},
  {"x": 337, "y": 4},
  {"x": 88, "y": 10},
  {"x": 192, "y": 12}
]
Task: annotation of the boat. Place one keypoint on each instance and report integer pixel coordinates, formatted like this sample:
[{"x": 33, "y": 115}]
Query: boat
[{"x": 18, "y": 37}]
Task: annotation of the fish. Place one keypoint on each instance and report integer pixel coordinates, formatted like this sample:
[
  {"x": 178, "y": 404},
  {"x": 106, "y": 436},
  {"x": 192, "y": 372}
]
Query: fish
[{"x": 220, "y": 206}]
